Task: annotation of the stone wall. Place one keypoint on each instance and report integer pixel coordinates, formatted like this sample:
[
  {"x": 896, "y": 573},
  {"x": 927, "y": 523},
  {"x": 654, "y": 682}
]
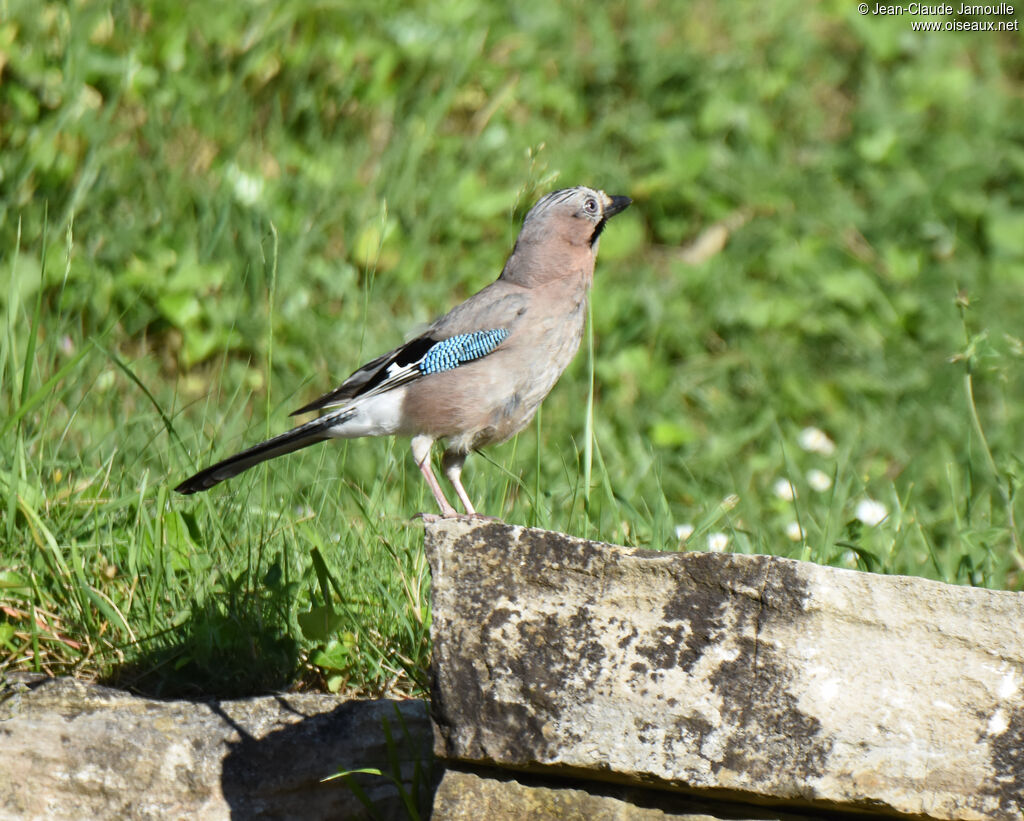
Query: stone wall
[
  {"x": 581, "y": 680},
  {"x": 751, "y": 680},
  {"x": 75, "y": 751}
]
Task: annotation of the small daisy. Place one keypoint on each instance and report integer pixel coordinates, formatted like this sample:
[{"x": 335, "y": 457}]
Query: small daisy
[
  {"x": 795, "y": 532},
  {"x": 783, "y": 488},
  {"x": 870, "y": 512},
  {"x": 717, "y": 542},
  {"x": 816, "y": 440},
  {"x": 819, "y": 480},
  {"x": 247, "y": 188},
  {"x": 684, "y": 531}
]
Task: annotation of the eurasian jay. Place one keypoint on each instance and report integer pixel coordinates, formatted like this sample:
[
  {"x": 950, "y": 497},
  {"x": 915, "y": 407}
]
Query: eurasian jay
[{"x": 478, "y": 374}]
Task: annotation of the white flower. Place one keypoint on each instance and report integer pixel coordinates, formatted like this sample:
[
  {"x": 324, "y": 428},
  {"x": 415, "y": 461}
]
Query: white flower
[
  {"x": 870, "y": 512},
  {"x": 794, "y": 531},
  {"x": 248, "y": 188},
  {"x": 784, "y": 489},
  {"x": 819, "y": 480},
  {"x": 684, "y": 531},
  {"x": 816, "y": 440},
  {"x": 717, "y": 542},
  {"x": 849, "y": 558}
]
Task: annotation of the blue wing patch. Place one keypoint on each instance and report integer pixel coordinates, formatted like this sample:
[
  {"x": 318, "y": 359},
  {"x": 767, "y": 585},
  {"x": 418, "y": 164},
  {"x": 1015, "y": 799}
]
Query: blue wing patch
[{"x": 455, "y": 350}]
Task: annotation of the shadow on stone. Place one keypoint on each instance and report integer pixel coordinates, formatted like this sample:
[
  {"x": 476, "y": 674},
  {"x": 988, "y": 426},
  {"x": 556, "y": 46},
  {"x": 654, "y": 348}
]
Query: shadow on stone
[
  {"x": 281, "y": 774},
  {"x": 73, "y": 750}
]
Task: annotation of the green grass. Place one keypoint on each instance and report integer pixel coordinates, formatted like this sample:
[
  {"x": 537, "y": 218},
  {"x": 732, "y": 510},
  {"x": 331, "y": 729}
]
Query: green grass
[{"x": 208, "y": 217}]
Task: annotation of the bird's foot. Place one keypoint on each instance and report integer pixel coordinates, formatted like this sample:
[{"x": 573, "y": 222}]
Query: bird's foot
[{"x": 434, "y": 518}]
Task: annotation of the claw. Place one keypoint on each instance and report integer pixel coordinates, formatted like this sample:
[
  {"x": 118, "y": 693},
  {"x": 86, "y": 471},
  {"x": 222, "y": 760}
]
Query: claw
[{"x": 434, "y": 518}]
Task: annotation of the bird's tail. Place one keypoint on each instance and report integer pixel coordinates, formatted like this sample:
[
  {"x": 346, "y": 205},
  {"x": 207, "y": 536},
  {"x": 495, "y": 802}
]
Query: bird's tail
[{"x": 297, "y": 438}]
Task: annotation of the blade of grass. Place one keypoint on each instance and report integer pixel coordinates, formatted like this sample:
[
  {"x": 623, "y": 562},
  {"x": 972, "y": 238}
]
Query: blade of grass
[
  {"x": 588, "y": 419},
  {"x": 168, "y": 423},
  {"x": 37, "y": 312}
]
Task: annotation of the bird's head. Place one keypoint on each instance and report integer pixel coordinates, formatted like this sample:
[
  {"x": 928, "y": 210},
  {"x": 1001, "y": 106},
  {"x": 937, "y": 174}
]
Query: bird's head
[
  {"x": 577, "y": 215},
  {"x": 562, "y": 230}
]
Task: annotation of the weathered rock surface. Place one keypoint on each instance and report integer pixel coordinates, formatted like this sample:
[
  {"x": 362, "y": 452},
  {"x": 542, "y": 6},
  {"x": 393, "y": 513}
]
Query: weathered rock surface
[
  {"x": 72, "y": 751},
  {"x": 745, "y": 678},
  {"x": 496, "y": 795}
]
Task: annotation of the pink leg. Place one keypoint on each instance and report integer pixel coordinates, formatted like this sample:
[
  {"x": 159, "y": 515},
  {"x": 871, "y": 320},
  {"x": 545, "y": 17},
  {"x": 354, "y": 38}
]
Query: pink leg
[
  {"x": 452, "y": 463},
  {"x": 421, "y": 453}
]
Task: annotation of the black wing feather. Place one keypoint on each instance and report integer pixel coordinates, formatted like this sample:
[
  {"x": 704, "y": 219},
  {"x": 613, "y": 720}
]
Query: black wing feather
[{"x": 371, "y": 374}]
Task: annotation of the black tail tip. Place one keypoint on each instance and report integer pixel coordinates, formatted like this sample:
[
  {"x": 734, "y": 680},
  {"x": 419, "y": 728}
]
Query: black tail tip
[{"x": 194, "y": 484}]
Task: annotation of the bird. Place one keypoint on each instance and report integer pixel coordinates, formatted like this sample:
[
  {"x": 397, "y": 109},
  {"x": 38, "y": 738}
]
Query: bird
[{"x": 477, "y": 375}]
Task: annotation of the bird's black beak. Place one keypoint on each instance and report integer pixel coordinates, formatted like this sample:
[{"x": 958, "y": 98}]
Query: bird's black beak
[{"x": 618, "y": 204}]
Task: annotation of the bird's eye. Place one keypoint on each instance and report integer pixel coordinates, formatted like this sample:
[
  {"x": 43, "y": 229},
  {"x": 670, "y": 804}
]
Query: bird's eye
[{"x": 590, "y": 206}]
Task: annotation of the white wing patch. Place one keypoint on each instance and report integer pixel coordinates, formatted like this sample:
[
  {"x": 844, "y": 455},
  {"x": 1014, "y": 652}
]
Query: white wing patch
[{"x": 378, "y": 414}]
